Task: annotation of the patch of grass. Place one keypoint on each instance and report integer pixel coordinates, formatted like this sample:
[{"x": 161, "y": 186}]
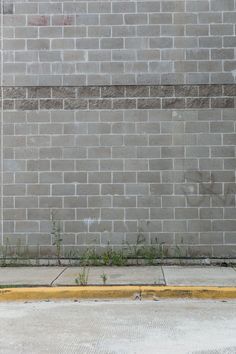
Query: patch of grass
[
  {"x": 119, "y": 258},
  {"x": 90, "y": 257},
  {"x": 114, "y": 258},
  {"x": 14, "y": 255},
  {"x": 129, "y": 253},
  {"x": 4, "y": 253}
]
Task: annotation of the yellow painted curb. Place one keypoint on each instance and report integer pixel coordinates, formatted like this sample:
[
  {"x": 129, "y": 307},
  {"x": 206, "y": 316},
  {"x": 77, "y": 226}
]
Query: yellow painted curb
[
  {"x": 69, "y": 292},
  {"x": 197, "y": 292},
  {"x": 116, "y": 292}
]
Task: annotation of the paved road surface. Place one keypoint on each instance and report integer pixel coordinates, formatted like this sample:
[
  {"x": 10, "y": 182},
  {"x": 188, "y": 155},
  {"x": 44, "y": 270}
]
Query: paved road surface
[{"x": 119, "y": 327}]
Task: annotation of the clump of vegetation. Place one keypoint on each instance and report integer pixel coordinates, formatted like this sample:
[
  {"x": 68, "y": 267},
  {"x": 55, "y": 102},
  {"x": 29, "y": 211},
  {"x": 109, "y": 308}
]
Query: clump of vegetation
[
  {"x": 4, "y": 252},
  {"x": 115, "y": 258},
  {"x": 14, "y": 255},
  {"x": 152, "y": 253},
  {"x": 136, "y": 251},
  {"x": 90, "y": 257}
]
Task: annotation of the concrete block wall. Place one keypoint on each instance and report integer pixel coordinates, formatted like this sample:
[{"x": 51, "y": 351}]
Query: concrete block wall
[
  {"x": 119, "y": 42},
  {"x": 119, "y": 116}
]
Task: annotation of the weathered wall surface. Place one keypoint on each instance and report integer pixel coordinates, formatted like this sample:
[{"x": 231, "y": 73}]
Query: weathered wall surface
[{"x": 120, "y": 117}]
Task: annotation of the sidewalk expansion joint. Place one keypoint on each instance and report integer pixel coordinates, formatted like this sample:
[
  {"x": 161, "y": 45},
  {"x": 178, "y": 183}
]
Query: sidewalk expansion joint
[
  {"x": 163, "y": 274},
  {"x": 234, "y": 268},
  {"x": 63, "y": 270}
]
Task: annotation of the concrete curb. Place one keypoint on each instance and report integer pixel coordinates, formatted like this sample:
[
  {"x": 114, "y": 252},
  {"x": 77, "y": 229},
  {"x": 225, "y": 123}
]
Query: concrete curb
[{"x": 116, "y": 292}]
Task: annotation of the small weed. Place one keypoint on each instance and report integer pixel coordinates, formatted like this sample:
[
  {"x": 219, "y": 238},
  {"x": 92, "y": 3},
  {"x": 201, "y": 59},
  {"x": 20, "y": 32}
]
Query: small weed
[
  {"x": 57, "y": 238},
  {"x": 107, "y": 256},
  {"x": 104, "y": 278},
  {"x": 179, "y": 253},
  {"x": 82, "y": 278},
  {"x": 136, "y": 250},
  {"x": 37, "y": 257}
]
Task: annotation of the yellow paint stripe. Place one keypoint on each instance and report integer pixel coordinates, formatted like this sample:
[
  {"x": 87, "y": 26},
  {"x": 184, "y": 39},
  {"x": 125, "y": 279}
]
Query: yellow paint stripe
[{"x": 116, "y": 292}]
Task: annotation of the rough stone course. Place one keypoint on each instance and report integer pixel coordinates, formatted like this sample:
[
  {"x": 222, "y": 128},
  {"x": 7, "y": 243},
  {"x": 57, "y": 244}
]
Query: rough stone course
[{"x": 120, "y": 97}]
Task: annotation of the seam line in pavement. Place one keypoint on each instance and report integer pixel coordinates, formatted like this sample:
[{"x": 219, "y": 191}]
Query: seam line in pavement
[
  {"x": 51, "y": 284},
  {"x": 163, "y": 274}
]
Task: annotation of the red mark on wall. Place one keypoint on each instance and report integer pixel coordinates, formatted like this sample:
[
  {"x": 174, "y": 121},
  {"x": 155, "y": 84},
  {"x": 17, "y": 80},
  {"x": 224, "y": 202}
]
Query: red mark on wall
[{"x": 38, "y": 21}]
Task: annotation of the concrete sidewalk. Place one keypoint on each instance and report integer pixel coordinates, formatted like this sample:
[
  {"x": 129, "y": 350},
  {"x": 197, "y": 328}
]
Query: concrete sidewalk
[{"x": 132, "y": 275}]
